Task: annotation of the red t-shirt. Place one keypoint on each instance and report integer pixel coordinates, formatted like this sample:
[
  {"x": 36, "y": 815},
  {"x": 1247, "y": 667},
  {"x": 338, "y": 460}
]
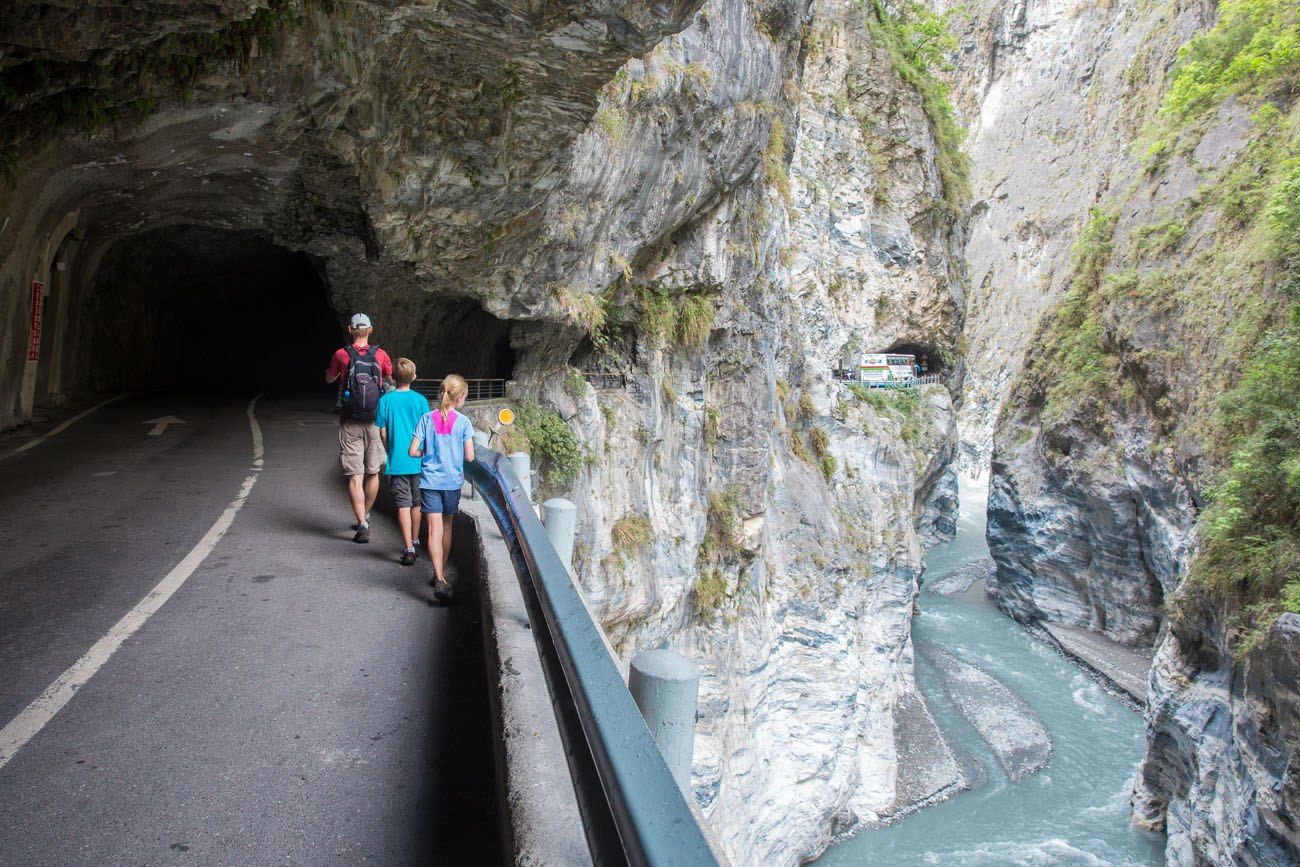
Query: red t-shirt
[{"x": 339, "y": 363}]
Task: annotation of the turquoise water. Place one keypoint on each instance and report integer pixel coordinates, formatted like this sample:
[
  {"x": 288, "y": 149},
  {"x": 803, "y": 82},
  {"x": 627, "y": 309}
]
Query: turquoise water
[{"x": 1073, "y": 812}]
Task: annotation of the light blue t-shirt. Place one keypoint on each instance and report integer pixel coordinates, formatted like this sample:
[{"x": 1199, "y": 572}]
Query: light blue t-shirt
[
  {"x": 443, "y": 439},
  {"x": 400, "y": 412}
]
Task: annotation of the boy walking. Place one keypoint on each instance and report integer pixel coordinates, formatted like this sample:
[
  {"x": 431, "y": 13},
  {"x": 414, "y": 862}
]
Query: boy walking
[
  {"x": 443, "y": 440},
  {"x": 398, "y": 415}
]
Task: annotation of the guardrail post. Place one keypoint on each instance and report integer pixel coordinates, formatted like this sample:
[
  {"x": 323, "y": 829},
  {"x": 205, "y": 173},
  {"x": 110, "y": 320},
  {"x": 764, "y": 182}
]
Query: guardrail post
[
  {"x": 522, "y": 464},
  {"x": 666, "y": 688},
  {"x": 560, "y": 517}
]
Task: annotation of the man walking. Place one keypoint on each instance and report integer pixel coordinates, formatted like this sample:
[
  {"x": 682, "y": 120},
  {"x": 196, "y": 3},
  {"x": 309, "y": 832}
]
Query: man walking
[{"x": 365, "y": 369}]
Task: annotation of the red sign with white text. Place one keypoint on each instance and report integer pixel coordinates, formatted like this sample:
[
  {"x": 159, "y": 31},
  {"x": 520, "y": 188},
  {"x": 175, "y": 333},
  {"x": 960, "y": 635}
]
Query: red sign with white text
[{"x": 34, "y": 342}]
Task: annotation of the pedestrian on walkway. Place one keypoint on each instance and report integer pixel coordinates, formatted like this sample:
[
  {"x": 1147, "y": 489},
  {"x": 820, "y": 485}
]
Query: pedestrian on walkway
[
  {"x": 398, "y": 415},
  {"x": 443, "y": 440},
  {"x": 366, "y": 370}
]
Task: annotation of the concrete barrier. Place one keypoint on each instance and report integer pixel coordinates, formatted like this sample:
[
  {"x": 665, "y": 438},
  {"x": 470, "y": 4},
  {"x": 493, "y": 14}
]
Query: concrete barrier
[
  {"x": 666, "y": 687},
  {"x": 560, "y": 517}
]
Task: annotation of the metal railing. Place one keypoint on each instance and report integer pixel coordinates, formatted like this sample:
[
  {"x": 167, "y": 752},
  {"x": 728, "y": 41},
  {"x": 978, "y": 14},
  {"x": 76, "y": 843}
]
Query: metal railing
[
  {"x": 928, "y": 379},
  {"x": 632, "y": 810},
  {"x": 479, "y": 389},
  {"x": 602, "y": 380}
]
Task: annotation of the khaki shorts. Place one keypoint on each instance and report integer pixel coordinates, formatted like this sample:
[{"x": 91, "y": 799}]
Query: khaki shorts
[{"x": 360, "y": 449}]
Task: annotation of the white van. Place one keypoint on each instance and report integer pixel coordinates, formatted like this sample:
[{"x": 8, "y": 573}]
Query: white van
[{"x": 887, "y": 368}]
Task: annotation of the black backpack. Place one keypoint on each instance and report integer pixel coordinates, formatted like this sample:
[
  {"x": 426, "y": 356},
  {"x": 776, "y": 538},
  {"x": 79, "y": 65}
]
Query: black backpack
[{"x": 364, "y": 384}]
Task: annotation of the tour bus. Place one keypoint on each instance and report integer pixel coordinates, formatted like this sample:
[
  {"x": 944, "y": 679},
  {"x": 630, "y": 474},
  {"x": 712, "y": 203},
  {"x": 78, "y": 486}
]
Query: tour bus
[{"x": 887, "y": 368}]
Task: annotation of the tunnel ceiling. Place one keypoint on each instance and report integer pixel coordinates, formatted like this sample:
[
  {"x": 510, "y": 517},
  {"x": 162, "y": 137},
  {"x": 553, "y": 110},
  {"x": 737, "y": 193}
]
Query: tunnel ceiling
[{"x": 409, "y": 146}]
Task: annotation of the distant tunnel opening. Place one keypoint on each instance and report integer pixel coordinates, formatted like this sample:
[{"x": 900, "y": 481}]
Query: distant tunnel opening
[
  {"x": 925, "y": 355},
  {"x": 213, "y": 309},
  {"x": 461, "y": 337}
]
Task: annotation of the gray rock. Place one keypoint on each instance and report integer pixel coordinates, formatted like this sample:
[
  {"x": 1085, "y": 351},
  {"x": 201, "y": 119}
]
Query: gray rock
[
  {"x": 1005, "y": 721},
  {"x": 961, "y": 579}
]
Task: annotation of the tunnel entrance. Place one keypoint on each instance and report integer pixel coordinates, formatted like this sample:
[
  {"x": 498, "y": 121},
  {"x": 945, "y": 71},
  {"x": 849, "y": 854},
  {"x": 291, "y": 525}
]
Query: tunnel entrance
[
  {"x": 208, "y": 308},
  {"x": 925, "y": 355},
  {"x": 461, "y": 337}
]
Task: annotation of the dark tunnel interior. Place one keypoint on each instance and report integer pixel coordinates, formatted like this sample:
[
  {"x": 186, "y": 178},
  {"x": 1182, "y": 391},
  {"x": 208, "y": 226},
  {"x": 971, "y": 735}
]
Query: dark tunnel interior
[
  {"x": 461, "y": 337},
  {"x": 925, "y": 355},
  {"x": 207, "y": 308},
  {"x": 223, "y": 310}
]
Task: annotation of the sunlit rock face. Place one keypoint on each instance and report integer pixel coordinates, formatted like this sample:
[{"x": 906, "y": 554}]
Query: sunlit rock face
[
  {"x": 1053, "y": 92},
  {"x": 588, "y": 176}
]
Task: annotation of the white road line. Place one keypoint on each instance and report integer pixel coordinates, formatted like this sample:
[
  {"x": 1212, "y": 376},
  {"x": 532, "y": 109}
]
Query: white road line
[
  {"x": 61, "y": 428},
  {"x": 34, "y": 717}
]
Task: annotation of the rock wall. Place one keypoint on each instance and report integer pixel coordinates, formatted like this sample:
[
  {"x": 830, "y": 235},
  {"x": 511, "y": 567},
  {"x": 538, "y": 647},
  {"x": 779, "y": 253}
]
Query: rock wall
[
  {"x": 710, "y": 204},
  {"x": 1052, "y": 93},
  {"x": 1140, "y": 293}
]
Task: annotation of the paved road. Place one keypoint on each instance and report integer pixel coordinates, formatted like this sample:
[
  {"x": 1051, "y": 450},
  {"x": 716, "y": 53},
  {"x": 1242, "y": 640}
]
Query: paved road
[{"x": 296, "y": 701}]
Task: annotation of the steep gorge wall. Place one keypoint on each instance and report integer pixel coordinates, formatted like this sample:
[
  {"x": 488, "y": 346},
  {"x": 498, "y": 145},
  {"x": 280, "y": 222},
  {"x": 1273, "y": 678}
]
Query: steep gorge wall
[
  {"x": 1157, "y": 286},
  {"x": 715, "y": 203}
]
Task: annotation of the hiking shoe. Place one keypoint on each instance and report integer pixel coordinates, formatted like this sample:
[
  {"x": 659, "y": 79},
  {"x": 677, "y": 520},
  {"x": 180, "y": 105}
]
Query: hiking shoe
[
  {"x": 363, "y": 534},
  {"x": 442, "y": 591},
  {"x": 408, "y": 558}
]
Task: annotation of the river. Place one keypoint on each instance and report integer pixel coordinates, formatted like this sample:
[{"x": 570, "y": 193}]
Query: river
[{"x": 1073, "y": 812}]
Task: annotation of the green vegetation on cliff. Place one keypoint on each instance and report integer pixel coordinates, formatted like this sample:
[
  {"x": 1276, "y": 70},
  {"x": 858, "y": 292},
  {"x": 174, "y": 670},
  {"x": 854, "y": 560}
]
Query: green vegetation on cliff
[
  {"x": 1204, "y": 299},
  {"x": 551, "y": 442},
  {"x": 1253, "y": 50},
  {"x": 918, "y": 42},
  {"x": 1250, "y": 531}
]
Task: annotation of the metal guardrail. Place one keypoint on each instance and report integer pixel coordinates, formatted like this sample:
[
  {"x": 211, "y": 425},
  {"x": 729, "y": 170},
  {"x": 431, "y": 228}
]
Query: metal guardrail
[
  {"x": 928, "y": 379},
  {"x": 603, "y": 380},
  {"x": 632, "y": 810},
  {"x": 479, "y": 389}
]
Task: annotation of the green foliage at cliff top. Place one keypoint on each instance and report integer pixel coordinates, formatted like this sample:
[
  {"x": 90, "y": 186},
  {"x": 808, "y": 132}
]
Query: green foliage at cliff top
[
  {"x": 1254, "y": 48},
  {"x": 918, "y": 42}
]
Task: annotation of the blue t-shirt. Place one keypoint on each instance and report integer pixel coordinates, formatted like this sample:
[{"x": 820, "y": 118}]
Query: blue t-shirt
[
  {"x": 443, "y": 439},
  {"x": 400, "y": 412}
]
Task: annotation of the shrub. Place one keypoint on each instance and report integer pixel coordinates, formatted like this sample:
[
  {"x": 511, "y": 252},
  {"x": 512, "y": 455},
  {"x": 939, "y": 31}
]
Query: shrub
[
  {"x": 631, "y": 532},
  {"x": 712, "y": 425},
  {"x": 685, "y": 319},
  {"x": 583, "y": 309},
  {"x": 710, "y": 591},
  {"x": 695, "y": 321},
  {"x": 1252, "y": 48},
  {"x": 1250, "y": 532},
  {"x": 774, "y": 159},
  {"x": 723, "y": 538},
  {"x": 551, "y": 442},
  {"x": 918, "y": 42}
]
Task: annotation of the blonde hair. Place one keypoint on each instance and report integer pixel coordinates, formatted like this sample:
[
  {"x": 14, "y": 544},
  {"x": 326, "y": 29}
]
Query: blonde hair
[
  {"x": 403, "y": 371},
  {"x": 454, "y": 387},
  {"x": 360, "y": 330}
]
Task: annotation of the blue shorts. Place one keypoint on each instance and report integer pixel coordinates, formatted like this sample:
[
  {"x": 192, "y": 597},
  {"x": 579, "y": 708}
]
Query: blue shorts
[{"x": 439, "y": 502}]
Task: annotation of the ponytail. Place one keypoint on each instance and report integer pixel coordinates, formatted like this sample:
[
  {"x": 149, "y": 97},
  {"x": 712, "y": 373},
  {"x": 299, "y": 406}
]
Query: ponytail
[{"x": 454, "y": 387}]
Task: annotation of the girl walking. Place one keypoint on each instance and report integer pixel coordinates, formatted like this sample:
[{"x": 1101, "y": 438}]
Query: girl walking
[{"x": 443, "y": 440}]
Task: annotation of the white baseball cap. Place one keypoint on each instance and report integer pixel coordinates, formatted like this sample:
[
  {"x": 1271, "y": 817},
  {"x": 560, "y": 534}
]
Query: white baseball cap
[{"x": 360, "y": 320}]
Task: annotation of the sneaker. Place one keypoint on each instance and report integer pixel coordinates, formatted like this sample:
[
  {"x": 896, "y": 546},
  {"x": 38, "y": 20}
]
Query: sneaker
[
  {"x": 408, "y": 558},
  {"x": 363, "y": 534},
  {"x": 442, "y": 591}
]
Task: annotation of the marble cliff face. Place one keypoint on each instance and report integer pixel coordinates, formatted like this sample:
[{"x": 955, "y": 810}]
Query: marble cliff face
[
  {"x": 714, "y": 203},
  {"x": 1091, "y": 241}
]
